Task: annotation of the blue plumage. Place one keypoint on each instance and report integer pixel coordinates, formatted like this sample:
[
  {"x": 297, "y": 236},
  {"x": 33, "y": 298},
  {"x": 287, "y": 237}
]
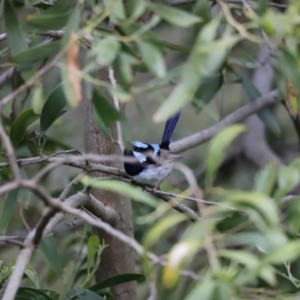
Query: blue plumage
[
  {"x": 154, "y": 161},
  {"x": 168, "y": 132}
]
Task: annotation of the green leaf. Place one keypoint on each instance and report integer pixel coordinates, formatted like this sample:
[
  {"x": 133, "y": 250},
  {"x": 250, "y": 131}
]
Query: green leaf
[
  {"x": 8, "y": 209},
  {"x": 207, "y": 58},
  {"x": 52, "y": 108},
  {"x": 174, "y": 16},
  {"x": 265, "y": 180},
  {"x": 48, "y": 249},
  {"x": 104, "y": 112},
  {"x": 85, "y": 294},
  {"x": 36, "y": 53},
  {"x": 93, "y": 244},
  {"x": 123, "y": 189},
  {"x": 32, "y": 275},
  {"x": 134, "y": 9},
  {"x": 284, "y": 253},
  {"x": 262, "y": 204},
  {"x": 161, "y": 227},
  {"x": 245, "y": 60},
  {"x": 118, "y": 279},
  {"x": 123, "y": 68},
  {"x": 153, "y": 59},
  {"x": 204, "y": 290},
  {"x": 105, "y": 51},
  {"x": 207, "y": 90},
  {"x": 217, "y": 149},
  {"x": 20, "y": 125},
  {"x": 15, "y": 37},
  {"x": 53, "y": 18},
  {"x": 264, "y": 114},
  {"x": 31, "y": 294}
]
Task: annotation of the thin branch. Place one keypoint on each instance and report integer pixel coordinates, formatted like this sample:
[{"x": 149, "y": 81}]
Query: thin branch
[
  {"x": 238, "y": 115},
  {"x": 30, "y": 81},
  {"x": 6, "y": 76},
  {"x": 10, "y": 152}
]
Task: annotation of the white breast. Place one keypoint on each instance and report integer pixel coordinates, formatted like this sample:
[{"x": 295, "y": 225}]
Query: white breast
[{"x": 154, "y": 174}]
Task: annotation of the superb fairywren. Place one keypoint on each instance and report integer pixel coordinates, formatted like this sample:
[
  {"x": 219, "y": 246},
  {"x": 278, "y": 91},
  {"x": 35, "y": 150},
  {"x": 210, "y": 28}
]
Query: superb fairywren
[{"x": 154, "y": 161}]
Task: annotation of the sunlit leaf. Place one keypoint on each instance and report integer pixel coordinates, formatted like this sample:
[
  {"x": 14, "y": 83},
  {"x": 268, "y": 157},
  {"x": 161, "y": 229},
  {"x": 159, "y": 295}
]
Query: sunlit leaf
[
  {"x": 20, "y": 125},
  {"x": 204, "y": 290},
  {"x": 206, "y": 58},
  {"x": 161, "y": 227},
  {"x": 217, "y": 148},
  {"x": 105, "y": 51},
  {"x": 92, "y": 246},
  {"x": 285, "y": 253},
  {"x": 153, "y": 59},
  {"x": 71, "y": 79},
  {"x": 265, "y": 180},
  {"x": 123, "y": 189},
  {"x": 175, "y": 16}
]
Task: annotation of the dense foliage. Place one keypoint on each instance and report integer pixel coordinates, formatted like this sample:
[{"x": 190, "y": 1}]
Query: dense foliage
[{"x": 245, "y": 244}]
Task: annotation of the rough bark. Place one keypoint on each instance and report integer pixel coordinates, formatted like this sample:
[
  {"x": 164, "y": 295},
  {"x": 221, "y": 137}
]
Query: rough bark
[{"x": 117, "y": 258}]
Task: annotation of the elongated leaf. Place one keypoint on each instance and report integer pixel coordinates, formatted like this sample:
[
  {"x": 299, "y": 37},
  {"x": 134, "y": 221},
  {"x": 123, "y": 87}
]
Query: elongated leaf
[
  {"x": 122, "y": 278},
  {"x": 123, "y": 189},
  {"x": 52, "y": 108},
  {"x": 71, "y": 79},
  {"x": 8, "y": 209},
  {"x": 86, "y": 294},
  {"x": 20, "y": 125},
  {"x": 161, "y": 227},
  {"x": 104, "y": 112},
  {"x": 265, "y": 180},
  {"x": 32, "y": 276},
  {"x": 207, "y": 90},
  {"x": 264, "y": 114},
  {"x": 53, "y": 18},
  {"x": 134, "y": 8},
  {"x": 207, "y": 57},
  {"x": 105, "y": 51},
  {"x": 217, "y": 148},
  {"x": 153, "y": 59},
  {"x": 204, "y": 290},
  {"x": 31, "y": 294},
  {"x": 14, "y": 33},
  {"x": 175, "y": 16},
  {"x": 264, "y": 205},
  {"x": 48, "y": 249},
  {"x": 36, "y": 53},
  {"x": 284, "y": 253},
  {"x": 92, "y": 247}
]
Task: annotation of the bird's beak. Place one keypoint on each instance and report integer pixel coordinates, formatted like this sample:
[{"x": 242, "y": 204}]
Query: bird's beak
[{"x": 173, "y": 156}]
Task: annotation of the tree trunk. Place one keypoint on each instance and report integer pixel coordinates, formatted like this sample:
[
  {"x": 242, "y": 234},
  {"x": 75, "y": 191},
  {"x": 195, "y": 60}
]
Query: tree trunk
[{"x": 117, "y": 258}]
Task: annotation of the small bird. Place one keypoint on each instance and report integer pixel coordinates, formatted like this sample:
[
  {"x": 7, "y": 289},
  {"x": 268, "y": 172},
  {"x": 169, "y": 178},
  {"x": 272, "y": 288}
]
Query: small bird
[{"x": 154, "y": 161}]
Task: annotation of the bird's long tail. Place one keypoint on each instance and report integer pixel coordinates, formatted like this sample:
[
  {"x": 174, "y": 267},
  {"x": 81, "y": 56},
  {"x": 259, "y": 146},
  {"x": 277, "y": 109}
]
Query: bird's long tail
[{"x": 169, "y": 129}]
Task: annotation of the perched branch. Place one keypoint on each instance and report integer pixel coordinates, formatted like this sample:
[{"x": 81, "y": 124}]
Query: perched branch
[{"x": 238, "y": 115}]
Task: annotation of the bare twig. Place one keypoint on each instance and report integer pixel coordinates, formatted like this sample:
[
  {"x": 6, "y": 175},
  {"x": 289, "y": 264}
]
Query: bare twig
[
  {"x": 236, "y": 116},
  {"x": 10, "y": 153},
  {"x": 30, "y": 81}
]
